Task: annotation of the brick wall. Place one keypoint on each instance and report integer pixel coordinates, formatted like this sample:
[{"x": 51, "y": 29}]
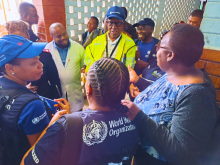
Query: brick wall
[
  {"x": 210, "y": 61},
  {"x": 49, "y": 11}
]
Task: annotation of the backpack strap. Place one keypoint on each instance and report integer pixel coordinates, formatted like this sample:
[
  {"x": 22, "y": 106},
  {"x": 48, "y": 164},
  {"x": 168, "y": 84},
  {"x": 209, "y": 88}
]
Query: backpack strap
[
  {"x": 71, "y": 149},
  {"x": 7, "y": 96}
]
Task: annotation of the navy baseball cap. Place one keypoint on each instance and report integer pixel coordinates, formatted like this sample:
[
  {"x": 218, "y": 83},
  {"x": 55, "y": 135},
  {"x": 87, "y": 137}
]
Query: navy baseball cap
[
  {"x": 13, "y": 46},
  {"x": 145, "y": 21},
  {"x": 116, "y": 12}
]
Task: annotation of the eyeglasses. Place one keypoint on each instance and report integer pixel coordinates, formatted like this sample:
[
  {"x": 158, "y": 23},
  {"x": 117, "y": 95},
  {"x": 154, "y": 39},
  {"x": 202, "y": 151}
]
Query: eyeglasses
[
  {"x": 158, "y": 47},
  {"x": 118, "y": 24}
]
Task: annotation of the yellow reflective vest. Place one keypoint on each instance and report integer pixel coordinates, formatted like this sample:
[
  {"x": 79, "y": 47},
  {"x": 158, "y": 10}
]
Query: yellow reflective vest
[{"x": 125, "y": 52}]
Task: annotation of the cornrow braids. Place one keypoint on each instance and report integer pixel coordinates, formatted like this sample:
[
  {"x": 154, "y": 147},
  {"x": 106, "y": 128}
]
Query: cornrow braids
[
  {"x": 109, "y": 80},
  {"x": 13, "y": 26}
]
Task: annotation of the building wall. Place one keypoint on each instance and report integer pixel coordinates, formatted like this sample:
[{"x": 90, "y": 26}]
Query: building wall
[
  {"x": 164, "y": 12},
  {"x": 49, "y": 11},
  {"x": 210, "y": 59}
]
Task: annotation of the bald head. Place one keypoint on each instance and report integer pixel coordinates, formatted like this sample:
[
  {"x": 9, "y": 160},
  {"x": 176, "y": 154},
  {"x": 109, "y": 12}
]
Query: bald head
[
  {"x": 59, "y": 34},
  {"x": 56, "y": 26}
]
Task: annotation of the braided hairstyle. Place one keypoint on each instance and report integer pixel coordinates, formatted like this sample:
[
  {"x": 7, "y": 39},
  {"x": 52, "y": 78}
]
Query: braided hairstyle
[
  {"x": 13, "y": 26},
  {"x": 109, "y": 80}
]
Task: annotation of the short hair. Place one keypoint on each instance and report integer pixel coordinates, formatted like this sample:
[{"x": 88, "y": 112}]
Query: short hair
[
  {"x": 13, "y": 26},
  {"x": 187, "y": 43},
  {"x": 197, "y": 13},
  {"x": 24, "y": 8},
  {"x": 109, "y": 80},
  {"x": 96, "y": 19},
  {"x": 15, "y": 61},
  {"x": 125, "y": 10}
]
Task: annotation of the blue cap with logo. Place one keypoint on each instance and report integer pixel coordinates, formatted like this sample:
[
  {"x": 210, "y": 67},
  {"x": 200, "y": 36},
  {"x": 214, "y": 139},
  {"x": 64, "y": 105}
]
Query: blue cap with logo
[
  {"x": 116, "y": 12},
  {"x": 13, "y": 46}
]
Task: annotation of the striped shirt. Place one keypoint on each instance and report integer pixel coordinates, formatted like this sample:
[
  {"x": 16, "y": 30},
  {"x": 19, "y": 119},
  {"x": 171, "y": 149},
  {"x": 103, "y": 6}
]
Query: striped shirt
[{"x": 111, "y": 46}]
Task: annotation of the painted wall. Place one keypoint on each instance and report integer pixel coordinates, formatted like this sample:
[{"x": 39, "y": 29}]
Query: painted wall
[
  {"x": 165, "y": 13},
  {"x": 211, "y": 25},
  {"x": 210, "y": 59}
]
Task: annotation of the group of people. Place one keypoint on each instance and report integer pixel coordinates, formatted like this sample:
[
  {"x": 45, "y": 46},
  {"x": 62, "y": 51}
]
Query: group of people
[{"x": 173, "y": 119}]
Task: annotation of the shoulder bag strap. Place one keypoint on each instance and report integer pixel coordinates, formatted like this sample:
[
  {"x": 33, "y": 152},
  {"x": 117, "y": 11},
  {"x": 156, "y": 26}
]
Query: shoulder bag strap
[{"x": 71, "y": 149}]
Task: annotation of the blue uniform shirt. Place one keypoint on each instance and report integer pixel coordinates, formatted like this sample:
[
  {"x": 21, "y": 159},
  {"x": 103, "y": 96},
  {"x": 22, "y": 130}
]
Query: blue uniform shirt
[
  {"x": 107, "y": 138},
  {"x": 33, "y": 118},
  {"x": 145, "y": 49},
  {"x": 62, "y": 52}
]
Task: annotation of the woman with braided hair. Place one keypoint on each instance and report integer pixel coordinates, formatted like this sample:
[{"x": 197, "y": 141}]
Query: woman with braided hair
[{"x": 106, "y": 135}]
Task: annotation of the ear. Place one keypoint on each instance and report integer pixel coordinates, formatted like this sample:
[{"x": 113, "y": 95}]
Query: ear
[
  {"x": 88, "y": 89},
  {"x": 170, "y": 56},
  {"x": 9, "y": 69},
  {"x": 152, "y": 30},
  {"x": 25, "y": 17},
  {"x": 51, "y": 34}
]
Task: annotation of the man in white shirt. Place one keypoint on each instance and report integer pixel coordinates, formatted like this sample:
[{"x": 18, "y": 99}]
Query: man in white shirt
[{"x": 68, "y": 56}]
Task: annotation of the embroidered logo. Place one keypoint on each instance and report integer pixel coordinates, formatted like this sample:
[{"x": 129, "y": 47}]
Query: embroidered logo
[
  {"x": 38, "y": 119},
  {"x": 46, "y": 50},
  {"x": 158, "y": 75},
  {"x": 114, "y": 12},
  {"x": 35, "y": 120},
  {"x": 94, "y": 133},
  {"x": 20, "y": 43},
  {"x": 146, "y": 56}
]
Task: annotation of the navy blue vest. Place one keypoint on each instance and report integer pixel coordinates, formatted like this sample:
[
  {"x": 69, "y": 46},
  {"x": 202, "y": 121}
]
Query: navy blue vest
[{"x": 13, "y": 142}]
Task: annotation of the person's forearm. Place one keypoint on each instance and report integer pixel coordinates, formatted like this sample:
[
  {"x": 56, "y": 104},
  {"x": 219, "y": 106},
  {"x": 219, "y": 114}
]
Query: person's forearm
[
  {"x": 191, "y": 128},
  {"x": 161, "y": 139},
  {"x": 142, "y": 84}
]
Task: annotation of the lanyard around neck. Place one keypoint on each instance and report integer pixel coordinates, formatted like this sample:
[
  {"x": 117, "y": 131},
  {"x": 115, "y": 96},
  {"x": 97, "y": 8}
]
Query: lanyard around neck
[{"x": 106, "y": 49}]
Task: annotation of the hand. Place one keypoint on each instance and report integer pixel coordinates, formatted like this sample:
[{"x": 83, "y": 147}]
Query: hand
[
  {"x": 133, "y": 75},
  {"x": 63, "y": 104},
  {"x": 32, "y": 88},
  {"x": 141, "y": 64},
  {"x": 133, "y": 109},
  {"x": 57, "y": 115},
  {"x": 134, "y": 91}
]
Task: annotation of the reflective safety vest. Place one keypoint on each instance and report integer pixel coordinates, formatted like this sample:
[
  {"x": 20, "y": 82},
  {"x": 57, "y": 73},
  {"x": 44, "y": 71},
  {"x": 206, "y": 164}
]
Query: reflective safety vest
[{"x": 125, "y": 52}]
